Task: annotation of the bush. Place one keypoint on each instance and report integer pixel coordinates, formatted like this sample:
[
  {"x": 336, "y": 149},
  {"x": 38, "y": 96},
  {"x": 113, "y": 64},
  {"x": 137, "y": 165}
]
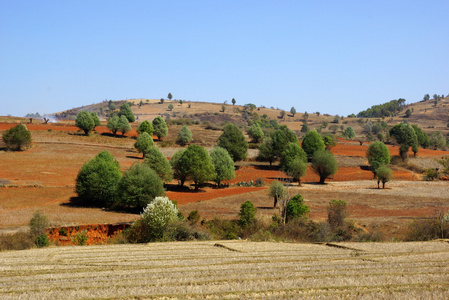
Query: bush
[
  {"x": 157, "y": 216},
  {"x": 80, "y": 238},
  {"x": 85, "y": 122},
  {"x": 17, "y": 138},
  {"x": 336, "y": 213},
  {"x": 296, "y": 208},
  {"x": 247, "y": 213},
  {"x": 431, "y": 174},
  {"x": 38, "y": 224},
  {"x": 97, "y": 180},
  {"x": 194, "y": 217},
  {"x": 16, "y": 241},
  {"x": 41, "y": 241}
]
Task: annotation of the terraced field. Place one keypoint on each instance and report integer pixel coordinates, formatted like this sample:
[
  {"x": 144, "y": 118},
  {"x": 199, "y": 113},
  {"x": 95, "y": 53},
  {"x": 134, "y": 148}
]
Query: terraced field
[{"x": 229, "y": 269}]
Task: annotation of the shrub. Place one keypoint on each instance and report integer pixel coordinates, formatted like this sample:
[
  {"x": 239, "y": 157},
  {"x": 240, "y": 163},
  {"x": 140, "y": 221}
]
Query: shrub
[
  {"x": 296, "y": 208},
  {"x": 194, "y": 217},
  {"x": 80, "y": 238},
  {"x": 41, "y": 241},
  {"x": 247, "y": 213},
  {"x": 276, "y": 191},
  {"x": 336, "y": 213},
  {"x": 157, "y": 216},
  {"x": 16, "y": 241},
  {"x": 431, "y": 174},
  {"x": 38, "y": 224},
  {"x": 97, "y": 180},
  {"x": 17, "y": 138}
]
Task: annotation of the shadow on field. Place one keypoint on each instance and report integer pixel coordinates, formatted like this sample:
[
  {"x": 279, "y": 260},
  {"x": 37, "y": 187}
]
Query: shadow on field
[{"x": 81, "y": 203}]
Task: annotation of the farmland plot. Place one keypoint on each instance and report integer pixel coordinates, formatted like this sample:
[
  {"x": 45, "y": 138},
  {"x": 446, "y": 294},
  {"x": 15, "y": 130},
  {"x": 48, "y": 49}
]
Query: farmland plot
[{"x": 229, "y": 269}]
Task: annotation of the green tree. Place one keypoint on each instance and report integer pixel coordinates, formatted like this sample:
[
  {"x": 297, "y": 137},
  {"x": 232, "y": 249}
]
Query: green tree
[
  {"x": 113, "y": 124},
  {"x": 111, "y": 105},
  {"x": 426, "y": 97},
  {"x": 276, "y": 191},
  {"x": 180, "y": 166},
  {"x": 437, "y": 140},
  {"x": 233, "y": 140},
  {"x": 282, "y": 114},
  {"x": 293, "y": 111},
  {"x": 85, "y": 122},
  {"x": 296, "y": 169},
  {"x": 159, "y": 163},
  {"x": 223, "y": 165},
  {"x": 139, "y": 186},
  {"x": 329, "y": 141},
  {"x": 160, "y": 127},
  {"x": 145, "y": 126},
  {"x": 143, "y": 143},
  {"x": 324, "y": 164},
  {"x": 256, "y": 133},
  {"x": 247, "y": 214},
  {"x": 185, "y": 135},
  {"x": 383, "y": 174},
  {"x": 281, "y": 137},
  {"x": 96, "y": 182},
  {"x": 125, "y": 110},
  {"x": 304, "y": 128},
  {"x": 169, "y": 96},
  {"x": 157, "y": 216},
  {"x": 170, "y": 106},
  {"x": 123, "y": 125},
  {"x": 292, "y": 151},
  {"x": 199, "y": 165},
  {"x": 296, "y": 208},
  {"x": 349, "y": 132},
  {"x": 95, "y": 118},
  {"x": 378, "y": 154},
  {"x": 405, "y": 136},
  {"x": 423, "y": 138},
  {"x": 312, "y": 142},
  {"x": 17, "y": 138},
  {"x": 266, "y": 151},
  {"x": 233, "y": 101},
  {"x": 408, "y": 113}
]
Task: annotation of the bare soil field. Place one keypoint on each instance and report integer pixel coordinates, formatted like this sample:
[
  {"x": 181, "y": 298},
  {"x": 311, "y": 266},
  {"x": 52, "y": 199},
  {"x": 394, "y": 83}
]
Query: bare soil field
[
  {"x": 43, "y": 178},
  {"x": 229, "y": 269}
]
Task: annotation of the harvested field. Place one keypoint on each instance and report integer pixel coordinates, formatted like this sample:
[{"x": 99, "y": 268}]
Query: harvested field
[{"x": 229, "y": 269}]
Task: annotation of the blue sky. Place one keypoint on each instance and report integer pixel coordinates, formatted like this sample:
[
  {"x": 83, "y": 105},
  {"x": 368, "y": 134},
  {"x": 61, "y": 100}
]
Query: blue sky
[{"x": 335, "y": 57}]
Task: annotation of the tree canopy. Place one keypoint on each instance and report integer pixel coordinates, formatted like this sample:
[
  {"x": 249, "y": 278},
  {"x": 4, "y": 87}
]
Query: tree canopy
[
  {"x": 378, "y": 154},
  {"x": 143, "y": 143},
  {"x": 160, "y": 127},
  {"x": 280, "y": 139},
  {"x": 324, "y": 164},
  {"x": 145, "y": 126},
  {"x": 159, "y": 163},
  {"x": 123, "y": 125},
  {"x": 185, "y": 135},
  {"x": 312, "y": 142},
  {"x": 292, "y": 151},
  {"x": 223, "y": 165},
  {"x": 125, "y": 110},
  {"x": 233, "y": 140},
  {"x": 85, "y": 122},
  {"x": 113, "y": 124},
  {"x": 139, "y": 186},
  {"x": 96, "y": 182},
  {"x": 198, "y": 164}
]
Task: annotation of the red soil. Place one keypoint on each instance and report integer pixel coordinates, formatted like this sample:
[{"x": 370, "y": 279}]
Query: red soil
[{"x": 96, "y": 234}]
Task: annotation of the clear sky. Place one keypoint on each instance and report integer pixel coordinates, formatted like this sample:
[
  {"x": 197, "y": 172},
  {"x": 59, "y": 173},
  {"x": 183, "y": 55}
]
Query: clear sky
[{"x": 332, "y": 56}]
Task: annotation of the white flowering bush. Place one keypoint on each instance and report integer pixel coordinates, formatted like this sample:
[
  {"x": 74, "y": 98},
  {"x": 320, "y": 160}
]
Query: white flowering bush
[{"x": 158, "y": 215}]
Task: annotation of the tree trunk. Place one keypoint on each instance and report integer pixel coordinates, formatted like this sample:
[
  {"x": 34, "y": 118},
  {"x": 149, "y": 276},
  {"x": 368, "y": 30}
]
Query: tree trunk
[
  {"x": 197, "y": 185},
  {"x": 383, "y": 184},
  {"x": 275, "y": 201},
  {"x": 299, "y": 181},
  {"x": 322, "y": 179},
  {"x": 378, "y": 184}
]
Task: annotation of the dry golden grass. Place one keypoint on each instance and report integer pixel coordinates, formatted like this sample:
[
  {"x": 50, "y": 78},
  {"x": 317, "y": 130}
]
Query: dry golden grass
[{"x": 240, "y": 269}]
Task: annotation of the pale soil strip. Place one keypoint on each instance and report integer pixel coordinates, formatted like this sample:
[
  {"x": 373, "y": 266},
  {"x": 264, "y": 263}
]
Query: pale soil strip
[{"x": 200, "y": 270}]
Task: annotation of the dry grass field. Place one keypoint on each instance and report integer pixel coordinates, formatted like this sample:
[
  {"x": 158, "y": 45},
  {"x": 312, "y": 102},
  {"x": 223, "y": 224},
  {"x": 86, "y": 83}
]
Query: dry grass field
[{"x": 229, "y": 270}]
